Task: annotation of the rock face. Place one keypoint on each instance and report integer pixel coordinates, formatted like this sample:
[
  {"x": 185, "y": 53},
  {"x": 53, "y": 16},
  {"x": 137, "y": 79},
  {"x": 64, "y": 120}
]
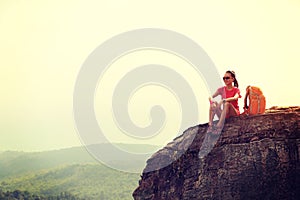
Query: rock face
[{"x": 255, "y": 157}]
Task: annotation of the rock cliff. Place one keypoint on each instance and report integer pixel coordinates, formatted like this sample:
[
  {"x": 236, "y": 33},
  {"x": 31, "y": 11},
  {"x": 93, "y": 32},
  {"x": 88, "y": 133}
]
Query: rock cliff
[{"x": 255, "y": 157}]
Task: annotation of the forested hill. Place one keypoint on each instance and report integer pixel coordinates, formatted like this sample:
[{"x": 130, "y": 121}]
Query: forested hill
[
  {"x": 17, "y": 194},
  {"x": 13, "y": 163},
  {"x": 83, "y": 181},
  {"x": 69, "y": 172}
]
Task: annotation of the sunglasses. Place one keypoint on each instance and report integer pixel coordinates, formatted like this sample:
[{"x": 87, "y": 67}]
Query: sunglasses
[{"x": 226, "y": 78}]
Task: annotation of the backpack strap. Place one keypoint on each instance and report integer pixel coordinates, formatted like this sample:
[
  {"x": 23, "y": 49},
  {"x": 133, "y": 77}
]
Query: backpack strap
[
  {"x": 246, "y": 97},
  {"x": 246, "y": 107}
]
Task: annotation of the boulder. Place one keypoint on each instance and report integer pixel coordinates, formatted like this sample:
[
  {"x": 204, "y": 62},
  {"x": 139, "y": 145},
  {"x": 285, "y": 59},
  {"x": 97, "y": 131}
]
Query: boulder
[{"x": 255, "y": 157}]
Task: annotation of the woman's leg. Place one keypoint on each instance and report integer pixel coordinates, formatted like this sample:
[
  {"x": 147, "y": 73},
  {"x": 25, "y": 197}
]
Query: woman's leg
[
  {"x": 212, "y": 112},
  {"x": 214, "y": 109},
  {"x": 229, "y": 110}
]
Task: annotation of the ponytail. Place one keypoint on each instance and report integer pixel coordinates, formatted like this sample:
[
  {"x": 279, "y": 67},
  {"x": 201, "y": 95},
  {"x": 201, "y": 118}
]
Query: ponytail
[{"x": 236, "y": 84}]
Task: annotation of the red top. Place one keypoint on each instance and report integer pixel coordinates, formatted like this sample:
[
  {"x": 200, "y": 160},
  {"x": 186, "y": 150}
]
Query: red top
[{"x": 225, "y": 93}]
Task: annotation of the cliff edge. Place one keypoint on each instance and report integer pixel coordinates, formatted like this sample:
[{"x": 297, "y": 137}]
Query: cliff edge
[{"x": 255, "y": 157}]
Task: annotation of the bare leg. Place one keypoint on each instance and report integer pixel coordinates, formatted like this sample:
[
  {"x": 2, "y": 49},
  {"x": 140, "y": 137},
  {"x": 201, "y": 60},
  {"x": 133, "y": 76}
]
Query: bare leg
[
  {"x": 219, "y": 112},
  {"x": 212, "y": 111},
  {"x": 228, "y": 108},
  {"x": 211, "y": 116}
]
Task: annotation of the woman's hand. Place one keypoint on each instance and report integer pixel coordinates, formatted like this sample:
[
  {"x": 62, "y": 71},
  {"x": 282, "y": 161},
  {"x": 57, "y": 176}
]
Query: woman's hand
[{"x": 213, "y": 104}]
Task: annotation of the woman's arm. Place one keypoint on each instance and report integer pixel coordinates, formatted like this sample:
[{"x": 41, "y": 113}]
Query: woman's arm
[
  {"x": 213, "y": 96},
  {"x": 234, "y": 98}
]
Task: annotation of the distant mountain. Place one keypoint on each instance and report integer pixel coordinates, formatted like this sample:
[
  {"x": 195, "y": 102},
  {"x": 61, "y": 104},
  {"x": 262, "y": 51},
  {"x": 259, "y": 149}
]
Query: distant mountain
[
  {"x": 85, "y": 181},
  {"x": 72, "y": 172},
  {"x": 14, "y": 163}
]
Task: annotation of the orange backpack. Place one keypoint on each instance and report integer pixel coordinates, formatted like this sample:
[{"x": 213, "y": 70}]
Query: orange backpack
[{"x": 257, "y": 101}]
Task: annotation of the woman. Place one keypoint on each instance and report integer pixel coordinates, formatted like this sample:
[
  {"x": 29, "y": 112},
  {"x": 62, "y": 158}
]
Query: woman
[{"x": 230, "y": 94}]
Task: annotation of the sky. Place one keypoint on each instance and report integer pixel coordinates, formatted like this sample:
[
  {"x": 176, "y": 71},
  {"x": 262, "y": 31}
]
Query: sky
[{"x": 45, "y": 43}]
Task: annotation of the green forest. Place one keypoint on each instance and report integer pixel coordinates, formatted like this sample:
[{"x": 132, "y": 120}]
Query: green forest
[
  {"x": 62, "y": 174},
  {"x": 25, "y": 195}
]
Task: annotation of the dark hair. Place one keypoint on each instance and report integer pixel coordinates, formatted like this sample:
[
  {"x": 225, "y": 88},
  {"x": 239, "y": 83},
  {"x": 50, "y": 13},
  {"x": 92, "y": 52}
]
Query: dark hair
[{"x": 236, "y": 84}]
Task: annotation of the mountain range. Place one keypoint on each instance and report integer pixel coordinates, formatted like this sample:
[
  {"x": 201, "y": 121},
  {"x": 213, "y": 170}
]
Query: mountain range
[{"x": 73, "y": 171}]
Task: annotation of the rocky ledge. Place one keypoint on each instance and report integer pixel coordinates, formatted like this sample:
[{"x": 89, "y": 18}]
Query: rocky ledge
[{"x": 255, "y": 157}]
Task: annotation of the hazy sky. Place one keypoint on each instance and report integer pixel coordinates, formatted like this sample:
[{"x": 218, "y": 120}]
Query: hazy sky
[{"x": 43, "y": 45}]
